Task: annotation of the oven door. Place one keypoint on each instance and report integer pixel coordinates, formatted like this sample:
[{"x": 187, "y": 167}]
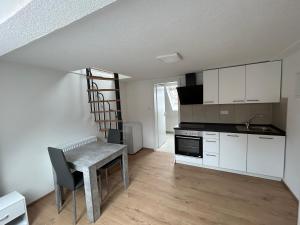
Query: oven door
[{"x": 190, "y": 146}]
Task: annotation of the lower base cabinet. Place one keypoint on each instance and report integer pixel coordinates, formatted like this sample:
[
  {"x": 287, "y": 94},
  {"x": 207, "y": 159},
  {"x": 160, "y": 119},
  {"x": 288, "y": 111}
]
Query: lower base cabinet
[
  {"x": 233, "y": 151},
  {"x": 266, "y": 155},
  {"x": 211, "y": 159}
]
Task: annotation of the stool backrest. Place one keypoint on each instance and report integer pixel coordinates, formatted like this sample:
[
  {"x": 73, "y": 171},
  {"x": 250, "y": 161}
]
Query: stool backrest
[{"x": 114, "y": 136}]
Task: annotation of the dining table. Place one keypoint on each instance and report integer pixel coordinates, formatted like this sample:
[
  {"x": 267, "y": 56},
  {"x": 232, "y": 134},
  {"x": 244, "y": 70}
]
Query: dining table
[{"x": 88, "y": 159}]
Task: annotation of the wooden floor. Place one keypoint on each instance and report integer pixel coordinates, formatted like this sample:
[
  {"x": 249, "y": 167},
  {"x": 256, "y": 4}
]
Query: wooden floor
[{"x": 167, "y": 194}]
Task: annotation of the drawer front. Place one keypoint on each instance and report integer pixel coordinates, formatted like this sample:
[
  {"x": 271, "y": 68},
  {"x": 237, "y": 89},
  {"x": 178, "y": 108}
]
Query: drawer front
[
  {"x": 208, "y": 134},
  {"x": 211, "y": 145},
  {"x": 211, "y": 159},
  {"x": 189, "y": 159},
  {"x": 12, "y": 212}
]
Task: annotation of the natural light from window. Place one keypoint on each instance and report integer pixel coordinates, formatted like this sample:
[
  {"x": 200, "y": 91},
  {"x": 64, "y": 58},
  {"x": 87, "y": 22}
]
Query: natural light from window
[{"x": 173, "y": 97}]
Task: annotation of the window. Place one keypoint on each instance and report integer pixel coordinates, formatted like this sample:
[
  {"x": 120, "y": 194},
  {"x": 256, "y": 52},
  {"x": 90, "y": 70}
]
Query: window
[{"x": 173, "y": 97}]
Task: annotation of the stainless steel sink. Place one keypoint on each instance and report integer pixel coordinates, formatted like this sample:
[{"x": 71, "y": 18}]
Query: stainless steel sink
[{"x": 261, "y": 129}]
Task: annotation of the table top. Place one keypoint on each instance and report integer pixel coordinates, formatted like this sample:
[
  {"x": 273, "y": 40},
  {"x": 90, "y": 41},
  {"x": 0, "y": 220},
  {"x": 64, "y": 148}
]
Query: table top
[{"x": 93, "y": 154}]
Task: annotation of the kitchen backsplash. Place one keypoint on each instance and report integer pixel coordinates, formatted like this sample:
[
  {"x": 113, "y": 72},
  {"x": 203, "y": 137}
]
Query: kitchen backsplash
[{"x": 233, "y": 113}]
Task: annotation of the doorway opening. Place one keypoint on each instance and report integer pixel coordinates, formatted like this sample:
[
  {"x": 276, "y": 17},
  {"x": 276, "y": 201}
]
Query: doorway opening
[{"x": 166, "y": 115}]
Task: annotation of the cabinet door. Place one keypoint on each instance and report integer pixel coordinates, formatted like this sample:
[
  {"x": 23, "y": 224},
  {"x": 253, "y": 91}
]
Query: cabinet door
[
  {"x": 233, "y": 151},
  {"x": 266, "y": 155},
  {"x": 211, "y": 87},
  {"x": 232, "y": 85},
  {"x": 210, "y": 159},
  {"x": 211, "y": 145},
  {"x": 263, "y": 82}
]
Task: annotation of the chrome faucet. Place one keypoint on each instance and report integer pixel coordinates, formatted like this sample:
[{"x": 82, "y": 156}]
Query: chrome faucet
[{"x": 248, "y": 122}]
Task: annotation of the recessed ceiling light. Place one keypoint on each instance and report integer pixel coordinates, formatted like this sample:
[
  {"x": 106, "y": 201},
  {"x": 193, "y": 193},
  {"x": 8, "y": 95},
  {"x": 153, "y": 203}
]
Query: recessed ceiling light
[{"x": 170, "y": 58}]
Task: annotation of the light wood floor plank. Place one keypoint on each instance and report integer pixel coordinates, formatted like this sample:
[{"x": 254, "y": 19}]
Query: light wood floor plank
[{"x": 161, "y": 193}]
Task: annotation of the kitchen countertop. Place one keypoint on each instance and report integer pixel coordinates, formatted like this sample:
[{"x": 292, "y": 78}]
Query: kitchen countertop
[{"x": 227, "y": 128}]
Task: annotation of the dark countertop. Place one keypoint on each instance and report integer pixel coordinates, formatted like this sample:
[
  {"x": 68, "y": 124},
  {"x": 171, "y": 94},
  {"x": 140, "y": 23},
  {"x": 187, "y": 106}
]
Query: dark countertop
[{"x": 227, "y": 128}]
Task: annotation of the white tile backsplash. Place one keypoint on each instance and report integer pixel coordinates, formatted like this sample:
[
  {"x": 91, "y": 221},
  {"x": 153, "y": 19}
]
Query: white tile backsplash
[{"x": 237, "y": 113}]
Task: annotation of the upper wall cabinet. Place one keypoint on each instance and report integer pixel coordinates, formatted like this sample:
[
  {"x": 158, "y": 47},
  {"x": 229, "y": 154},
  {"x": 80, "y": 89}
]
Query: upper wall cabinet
[
  {"x": 232, "y": 85},
  {"x": 211, "y": 87},
  {"x": 263, "y": 82}
]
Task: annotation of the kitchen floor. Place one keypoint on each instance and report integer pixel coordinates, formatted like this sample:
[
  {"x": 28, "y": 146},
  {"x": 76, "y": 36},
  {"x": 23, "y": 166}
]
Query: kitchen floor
[
  {"x": 169, "y": 145},
  {"x": 161, "y": 193}
]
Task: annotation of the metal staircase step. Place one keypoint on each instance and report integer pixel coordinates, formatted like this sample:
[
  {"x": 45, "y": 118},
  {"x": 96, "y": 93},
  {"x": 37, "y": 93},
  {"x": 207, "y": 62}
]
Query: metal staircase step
[
  {"x": 106, "y": 111},
  {"x": 100, "y": 78},
  {"x": 112, "y": 100},
  {"x": 99, "y": 90},
  {"x": 107, "y": 121}
]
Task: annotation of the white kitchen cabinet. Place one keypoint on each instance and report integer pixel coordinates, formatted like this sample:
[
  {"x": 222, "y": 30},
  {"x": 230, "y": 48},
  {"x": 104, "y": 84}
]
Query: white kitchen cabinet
[
  {"x": 211, "y": 87},
  {"x": 211, "y": 145},
  {"x": 266, "y": 155},
  {"x": 263, "y": 82},
  {"x": 233, "y": 151},
  {"x": 232, "y": 85},
  {"x": 211, "y": 134},
  {"x": 211, "y": 159}
]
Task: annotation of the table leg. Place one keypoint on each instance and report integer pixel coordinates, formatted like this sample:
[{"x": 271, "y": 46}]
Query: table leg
[
  {"x": 92, "y": 199},
  {"x": 125, "y": 168}
]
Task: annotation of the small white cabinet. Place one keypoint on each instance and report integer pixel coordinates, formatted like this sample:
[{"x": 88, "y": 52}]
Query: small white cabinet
[
  {"x": 233, "y": 151},
  {"x": 211, "y": 87},
  {"x": 266, "y": 155},
  {"x": 13, "y": 209},
  {"x": 263, "y": 82},
  {"x": 232, "y": 85}
]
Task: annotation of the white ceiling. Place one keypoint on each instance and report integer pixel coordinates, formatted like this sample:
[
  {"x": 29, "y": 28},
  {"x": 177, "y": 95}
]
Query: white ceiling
[
  {"x": 127, "y": 36},
  {"x": 28, "y": 20},
  {"x": 8, "y": 8}
]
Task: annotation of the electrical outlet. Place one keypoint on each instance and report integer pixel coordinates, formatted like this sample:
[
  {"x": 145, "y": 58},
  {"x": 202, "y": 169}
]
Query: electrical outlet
[{"x": 224, "y": 112}]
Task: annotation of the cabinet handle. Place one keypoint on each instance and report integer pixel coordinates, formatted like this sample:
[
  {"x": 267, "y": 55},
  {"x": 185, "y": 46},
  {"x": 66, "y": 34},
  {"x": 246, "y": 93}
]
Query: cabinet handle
[
  {"x": 210, "y": 134},
  {"x": 4, "y": 218},
  {"x": 209, "y": 101},
  {"x": 238, "y": 100},
  {"x": 210, "y": 141},
  {"x": 183, "y": 137},
  {"x": 232, "y": 135},
  {"x": 211, "y": 155},
  {"x": 252, "y": 100},
  {"x": 270, "y": 138}
]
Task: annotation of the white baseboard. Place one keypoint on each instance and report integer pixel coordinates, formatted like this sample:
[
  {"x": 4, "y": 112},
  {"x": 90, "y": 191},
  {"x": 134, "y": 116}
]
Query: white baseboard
[{"x": 290, "y": 190}]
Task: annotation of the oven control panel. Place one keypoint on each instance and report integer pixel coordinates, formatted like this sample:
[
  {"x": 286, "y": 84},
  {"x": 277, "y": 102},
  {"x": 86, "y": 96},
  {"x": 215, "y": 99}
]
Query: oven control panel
[{"x": 192, "y": 133}]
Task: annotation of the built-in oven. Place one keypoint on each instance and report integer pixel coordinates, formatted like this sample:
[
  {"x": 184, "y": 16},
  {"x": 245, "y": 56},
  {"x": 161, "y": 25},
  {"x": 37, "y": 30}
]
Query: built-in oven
[{"x": 189, "y": 142}]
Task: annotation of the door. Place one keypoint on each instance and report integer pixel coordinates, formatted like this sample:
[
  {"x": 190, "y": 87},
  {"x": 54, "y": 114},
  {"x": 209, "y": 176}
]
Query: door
[
  {"x": 211, "y": 87},
  {"x": 266, "y": 155},
  {"x": 263, "y": 82},
  {"x": 232, "y": 82},
  {"x": 233, "y": 151},
  {"x": 161, "y": 115}
]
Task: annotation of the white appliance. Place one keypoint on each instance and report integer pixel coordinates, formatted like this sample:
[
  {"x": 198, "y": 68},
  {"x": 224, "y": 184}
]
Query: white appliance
[{"x": 133, "y": 136}]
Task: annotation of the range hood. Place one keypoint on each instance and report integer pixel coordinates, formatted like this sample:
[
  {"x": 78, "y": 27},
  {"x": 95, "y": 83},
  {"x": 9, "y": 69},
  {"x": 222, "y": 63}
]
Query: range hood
[{"x": 191, "y": 93}]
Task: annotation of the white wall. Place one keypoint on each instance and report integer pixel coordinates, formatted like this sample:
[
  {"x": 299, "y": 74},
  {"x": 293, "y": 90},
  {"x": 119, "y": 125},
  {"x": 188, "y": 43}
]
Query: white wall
[
  {"x": 140, "y": 106},
  {"x": 39, "y": 108},
  {"x": 291, "y": 69}
]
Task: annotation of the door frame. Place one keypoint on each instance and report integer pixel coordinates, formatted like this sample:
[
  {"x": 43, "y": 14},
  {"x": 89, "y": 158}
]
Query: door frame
[{"x": 156, "y": 144}]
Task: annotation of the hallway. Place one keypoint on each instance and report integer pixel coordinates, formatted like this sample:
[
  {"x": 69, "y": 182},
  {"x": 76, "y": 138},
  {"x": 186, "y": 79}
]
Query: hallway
[{"x": 169, "y": 145}]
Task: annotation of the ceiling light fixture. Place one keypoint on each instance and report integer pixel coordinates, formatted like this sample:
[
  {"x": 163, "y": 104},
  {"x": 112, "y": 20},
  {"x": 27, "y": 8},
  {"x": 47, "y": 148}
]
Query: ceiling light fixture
[{"x": 170, "y": 58}]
